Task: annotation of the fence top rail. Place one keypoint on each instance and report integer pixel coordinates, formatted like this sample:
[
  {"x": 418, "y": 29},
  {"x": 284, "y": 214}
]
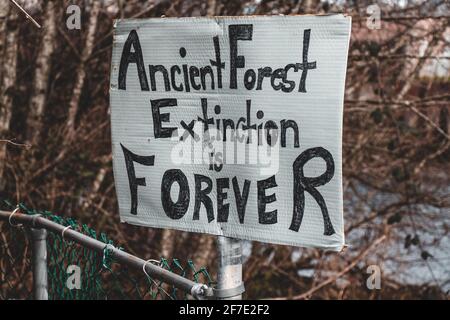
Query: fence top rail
[{"x": 197, "y": 290}]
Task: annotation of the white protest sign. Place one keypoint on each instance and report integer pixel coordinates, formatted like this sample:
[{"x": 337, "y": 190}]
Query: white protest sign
[{"x": 232, "y": 126}]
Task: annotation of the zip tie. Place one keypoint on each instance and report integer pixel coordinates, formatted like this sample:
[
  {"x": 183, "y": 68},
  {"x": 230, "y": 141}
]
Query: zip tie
[
  {"x": 145, "y": 264},
  {"x": 62, "y": 235},
  {"x": 153, "y": 281},
  {"x": 11, "y": 215},
  {"x": 65, "y": 229}
]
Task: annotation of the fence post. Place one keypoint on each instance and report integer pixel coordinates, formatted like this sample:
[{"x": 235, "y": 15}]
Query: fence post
[
  {"x": 39, "y": 261},
  {"x": 229, "y": 275}
]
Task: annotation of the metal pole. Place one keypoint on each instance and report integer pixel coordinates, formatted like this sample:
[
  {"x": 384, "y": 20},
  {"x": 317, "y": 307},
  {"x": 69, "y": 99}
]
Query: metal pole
[
  {"x": 229, "y": 275},
  {"x": 39, "y": 261}
]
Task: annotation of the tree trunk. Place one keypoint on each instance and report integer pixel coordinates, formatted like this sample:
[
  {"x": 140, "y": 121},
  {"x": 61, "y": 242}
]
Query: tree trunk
[
  {"x": 81, "y": 72},
  {"x": 4, "y": 9},
  {"x": 99, "y": 178},
  {"x": 42, "y": 73},
  {"x": 167, "y": 243},
  {"x": 8, "y": 80},
  {"x": 307, "y": 6},
  {"x": 204, "y": 250},
  {"x": 212, "y": 5}
]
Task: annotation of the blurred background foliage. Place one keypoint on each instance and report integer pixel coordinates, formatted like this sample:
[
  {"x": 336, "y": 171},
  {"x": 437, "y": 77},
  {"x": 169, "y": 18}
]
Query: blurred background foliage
[{"x": 55, "y": 144}]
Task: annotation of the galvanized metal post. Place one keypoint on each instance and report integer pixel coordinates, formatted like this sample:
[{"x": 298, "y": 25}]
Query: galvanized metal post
[
  {"x": 229, "y": 275},
  {"x": 39, "y": 261}
]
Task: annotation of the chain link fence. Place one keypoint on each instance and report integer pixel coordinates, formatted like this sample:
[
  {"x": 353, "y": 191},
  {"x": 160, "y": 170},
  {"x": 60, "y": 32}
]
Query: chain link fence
[{"x": 76, "y": 271}]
